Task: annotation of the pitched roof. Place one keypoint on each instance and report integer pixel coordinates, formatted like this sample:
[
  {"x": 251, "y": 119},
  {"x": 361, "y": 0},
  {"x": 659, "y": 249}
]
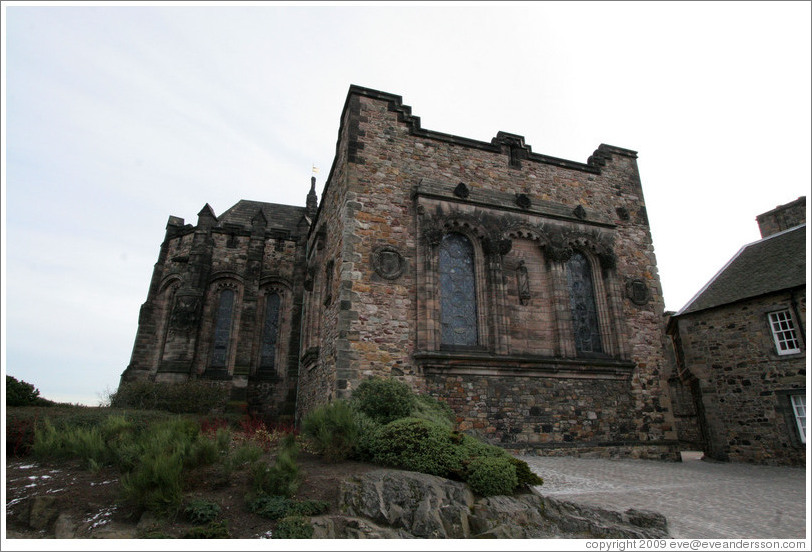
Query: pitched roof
[
  {"x": 285, "y": 217},
  {"x": 768, "y": 265}
]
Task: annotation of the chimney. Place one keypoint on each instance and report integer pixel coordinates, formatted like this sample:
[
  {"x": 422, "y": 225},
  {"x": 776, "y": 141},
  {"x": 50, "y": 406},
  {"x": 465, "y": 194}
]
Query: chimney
[{"x": 782, "y": 217}]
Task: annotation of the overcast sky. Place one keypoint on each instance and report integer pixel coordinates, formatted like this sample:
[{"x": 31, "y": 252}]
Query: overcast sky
[{"x": 116, "y": 117}]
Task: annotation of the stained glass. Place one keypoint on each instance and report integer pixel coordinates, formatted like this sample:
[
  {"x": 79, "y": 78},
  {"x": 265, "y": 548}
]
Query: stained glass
[
  {"x": 582, "y": 304},
  {"x": 222, "y": 328},
  {"x": 270, "y": 331},
  {"x": 458, "y": 309}
]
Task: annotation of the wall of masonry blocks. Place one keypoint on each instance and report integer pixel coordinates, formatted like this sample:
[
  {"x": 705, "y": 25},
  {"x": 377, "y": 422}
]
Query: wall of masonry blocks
[
  {"x": 744, "y": 383},
  {"x": 377, "y": 197}
]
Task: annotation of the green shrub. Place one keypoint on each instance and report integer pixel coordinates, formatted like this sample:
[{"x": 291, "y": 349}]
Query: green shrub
[
  {"x": 282, "y": 478},
  {"x": 271, "y": 507},
  {"x": 433, "y": 410},
  {"x": 489, "y": 476},
  {"x": 293, "y": 527},
  {"x": 417, "y": 445},
  {"x": 332, "y": 430},
  {"x": 192, "y": 397},
  {"x": 155, "y": 484},
  {"x": 384, "y": 400},
  {"x": 201, "y": 511},
  {"x": 524, "y": 475},
  {"x": 247, "y": 453},
  {"x": 214, "y": 530},
  {"x": 308, "y": 508},
  {"x": 366, "y": 437},
  {"x": 20, "y": 393}
]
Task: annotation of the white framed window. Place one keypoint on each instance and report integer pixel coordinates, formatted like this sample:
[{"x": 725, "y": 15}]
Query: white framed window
[
  {"x": 784, "y": 335},
  {"x": 799, "y": 411}
]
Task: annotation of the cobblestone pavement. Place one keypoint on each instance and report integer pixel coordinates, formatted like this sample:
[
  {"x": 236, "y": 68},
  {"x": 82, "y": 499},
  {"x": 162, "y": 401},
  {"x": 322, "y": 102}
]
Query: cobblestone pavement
[{"x": 700, "y": 499}]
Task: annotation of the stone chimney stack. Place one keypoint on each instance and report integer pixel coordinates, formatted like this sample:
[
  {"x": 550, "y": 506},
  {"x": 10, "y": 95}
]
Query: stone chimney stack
[
  {"x": 312, "y": 204},
  {"x": 782, "y": 217}
]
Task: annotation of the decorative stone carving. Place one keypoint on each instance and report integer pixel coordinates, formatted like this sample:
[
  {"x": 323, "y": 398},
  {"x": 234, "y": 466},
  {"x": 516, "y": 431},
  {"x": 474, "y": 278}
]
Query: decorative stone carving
[
  {"x": 388, "y": 262},
  {"x": 185, "y": 312},
  {"x": 523, "y": 201},
  {"x": 637, "y": 291},
  {"x": 461, "y": 191},
  {"x": 523, "y": 283},
  {"x": 497, "y": 246}
]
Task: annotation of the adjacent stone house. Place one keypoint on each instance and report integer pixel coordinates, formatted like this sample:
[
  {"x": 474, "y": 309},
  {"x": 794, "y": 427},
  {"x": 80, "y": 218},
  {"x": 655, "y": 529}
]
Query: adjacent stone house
[
  {"x": 520, "y": 288},
  {"x": 739, "y": 390}
]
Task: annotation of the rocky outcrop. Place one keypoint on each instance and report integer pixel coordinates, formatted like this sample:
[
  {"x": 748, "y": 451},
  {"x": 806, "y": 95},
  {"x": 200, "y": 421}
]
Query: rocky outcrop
[
  {"x": 395, "y": 504},
  {"x": 426, "y": 506},
  {"x": 403, "y": 504}
]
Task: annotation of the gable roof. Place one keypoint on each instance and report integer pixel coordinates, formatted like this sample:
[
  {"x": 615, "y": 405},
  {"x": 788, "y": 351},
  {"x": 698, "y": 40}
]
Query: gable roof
[{"x": 768, "y": 265}]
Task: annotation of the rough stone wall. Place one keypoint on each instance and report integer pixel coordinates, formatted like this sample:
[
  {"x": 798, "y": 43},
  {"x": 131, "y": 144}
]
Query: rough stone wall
[
  {"x": 744, "y": 383},
  {"x": 378, "y": 205},
  {"x": 174, "y": 340}
]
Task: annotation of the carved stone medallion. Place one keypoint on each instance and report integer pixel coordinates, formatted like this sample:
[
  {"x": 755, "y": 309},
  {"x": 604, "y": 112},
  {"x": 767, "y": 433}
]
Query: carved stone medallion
[
  {"x": 637, "y": 291},
  {"x": 388, "y": 262}
]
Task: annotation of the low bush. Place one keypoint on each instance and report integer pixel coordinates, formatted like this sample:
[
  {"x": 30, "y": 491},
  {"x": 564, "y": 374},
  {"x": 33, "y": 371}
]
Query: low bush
[
  {"x": 283, "y": 477},
  {"x": 384, "y": 400},
  {"x": 332, "y": 430},
  {"x": 270, "y": 507},
  {"x": 308, "y": 508},
  {"x": 434, "y": 410},
  {"x": 213, "y": 530},
  {"x": 489, "y": 476},
  {"x": 156, "y": 482},
  {"x": 366, "y": 437},
  {"x": 524, "y": 475},
  {"x": 201, "y": 511},
  {"x": 293, "y": 527},
  {"x": 418, "y": 445}
]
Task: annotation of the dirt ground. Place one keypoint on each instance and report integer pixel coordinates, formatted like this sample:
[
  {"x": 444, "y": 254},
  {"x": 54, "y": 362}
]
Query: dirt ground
[{"x": 92, "y": 499}]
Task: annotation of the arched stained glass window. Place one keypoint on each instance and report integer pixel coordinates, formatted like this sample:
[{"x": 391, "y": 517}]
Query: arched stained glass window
[
  {"x": 458, "y": 309},
  {"x": 582, "y": 304},
  {"x": 270, "y": 332},
  {"x": 222, "y": 328}
]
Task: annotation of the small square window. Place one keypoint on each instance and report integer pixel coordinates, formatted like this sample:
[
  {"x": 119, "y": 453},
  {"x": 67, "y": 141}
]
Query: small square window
[
  {"x": 799, "y": 411},
  {"x": 783, "y": 328}
]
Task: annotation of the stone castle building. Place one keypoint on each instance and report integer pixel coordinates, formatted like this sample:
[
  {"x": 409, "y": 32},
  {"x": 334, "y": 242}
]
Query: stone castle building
[
  {"x": 520, "y": 288},
  {"x": 740, "y": 351}
]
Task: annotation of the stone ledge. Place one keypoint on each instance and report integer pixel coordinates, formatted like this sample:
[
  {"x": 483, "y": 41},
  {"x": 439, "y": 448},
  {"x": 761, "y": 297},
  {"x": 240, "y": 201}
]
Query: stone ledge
[{"x": 486, "y": 364}]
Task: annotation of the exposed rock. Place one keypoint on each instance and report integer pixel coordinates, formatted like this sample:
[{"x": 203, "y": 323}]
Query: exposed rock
[
  {"x": 65, "y": 527},
  {"x": 595, "y": 522},
  {"x": 43, "y": 512},
  {"x": 426, "y": 506},
  {"x": 505, "y": 517},
  {"x": 344, "y": 527}
]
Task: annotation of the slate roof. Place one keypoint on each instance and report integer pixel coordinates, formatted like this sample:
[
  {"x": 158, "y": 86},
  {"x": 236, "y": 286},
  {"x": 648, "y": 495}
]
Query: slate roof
[
  {"x": 285, "y": 217},
  {"x": 768, "y": 265}
]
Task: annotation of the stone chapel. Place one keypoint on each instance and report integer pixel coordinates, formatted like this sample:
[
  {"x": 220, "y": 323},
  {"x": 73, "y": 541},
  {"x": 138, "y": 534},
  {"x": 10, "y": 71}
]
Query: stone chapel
[{"x": 519, "y": 288}]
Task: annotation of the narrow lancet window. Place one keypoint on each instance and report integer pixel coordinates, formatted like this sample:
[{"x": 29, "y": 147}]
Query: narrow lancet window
[
  {"x": 582, "y": 305},
  {"x": 222, "y": 328},
  {"x": 270, "y": 333},
  {"x": 458, "y": 308}
]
